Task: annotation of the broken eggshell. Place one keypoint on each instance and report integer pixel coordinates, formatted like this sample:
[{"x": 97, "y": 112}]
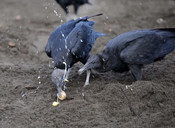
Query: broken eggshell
[{"x": 62, "y": 96}]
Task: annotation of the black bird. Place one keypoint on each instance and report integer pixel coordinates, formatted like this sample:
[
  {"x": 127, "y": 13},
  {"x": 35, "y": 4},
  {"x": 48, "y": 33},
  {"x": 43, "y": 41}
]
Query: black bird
[
  {"x": 132, "y": 50},
  {"x": 69, "y": 43},
  {"x": 75, "y": 3}
]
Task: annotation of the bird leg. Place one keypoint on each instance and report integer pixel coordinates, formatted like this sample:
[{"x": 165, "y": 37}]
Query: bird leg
[
  {"x": 67, "y": 74},
  {"x": 57, "y": 97},
  {"x": 87, "y": 78},
  {"x": 76, "y": 5},
  {"x": 136, "y": 71},
  {"x": 65, "y": 71}
]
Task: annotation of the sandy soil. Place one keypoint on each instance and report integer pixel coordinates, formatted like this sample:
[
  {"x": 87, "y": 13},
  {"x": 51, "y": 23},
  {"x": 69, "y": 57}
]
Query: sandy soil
[{"x": 106, "y": 102}]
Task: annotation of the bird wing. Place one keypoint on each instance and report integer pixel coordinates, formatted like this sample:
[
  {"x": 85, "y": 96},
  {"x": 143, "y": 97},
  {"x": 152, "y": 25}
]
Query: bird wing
[
  {"x": 58, "y": 35},
  {"x": 144, "y": 50},
  {"x": 55, "y": 41},
  {"x": 80, "y": 39},
  {"x": 48, "y": 50},
  {"x": 64, "y": 30}
]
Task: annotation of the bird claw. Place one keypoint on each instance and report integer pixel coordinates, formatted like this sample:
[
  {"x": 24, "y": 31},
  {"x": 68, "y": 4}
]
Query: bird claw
[{"x": 86, "y": 83}]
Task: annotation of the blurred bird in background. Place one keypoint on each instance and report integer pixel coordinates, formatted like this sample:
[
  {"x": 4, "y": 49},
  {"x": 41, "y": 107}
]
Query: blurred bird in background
[{"x": 76, "y": 3}]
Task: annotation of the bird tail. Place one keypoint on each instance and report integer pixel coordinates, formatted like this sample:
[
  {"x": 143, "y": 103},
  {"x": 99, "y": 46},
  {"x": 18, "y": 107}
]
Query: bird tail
[
  {"x": 166, "y": 29},
  {"x": 167, "y": 48},
  {"x": 99, "y": 14},
  {"x": 87, "y": 17},
  {"x": 169, "y": 31}
]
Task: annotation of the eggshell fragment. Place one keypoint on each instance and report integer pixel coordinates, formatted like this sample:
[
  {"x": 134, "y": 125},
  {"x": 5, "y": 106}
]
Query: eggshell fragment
[
  {"x": 63, "y": 95},
  {"x": 11, "y": 44},
  {"x": 110, "y": 30},
  {"x": 18, "y": 17},
  {"x": 30, "y": 86},
  {"x": 55, "y": 103}
]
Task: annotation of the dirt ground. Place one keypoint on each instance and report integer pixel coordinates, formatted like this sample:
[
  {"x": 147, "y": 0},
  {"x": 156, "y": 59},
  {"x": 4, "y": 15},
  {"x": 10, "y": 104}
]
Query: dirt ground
[{"x": 106, "y": 102}]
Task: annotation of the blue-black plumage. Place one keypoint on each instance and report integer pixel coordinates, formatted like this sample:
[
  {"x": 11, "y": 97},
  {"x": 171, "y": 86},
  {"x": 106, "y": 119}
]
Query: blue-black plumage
[
  {"x": 69, "y": 43},
  {"x": 132, "y": 50}
]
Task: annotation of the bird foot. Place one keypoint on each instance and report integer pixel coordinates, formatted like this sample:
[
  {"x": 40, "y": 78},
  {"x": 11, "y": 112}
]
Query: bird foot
[{"x": 86, "y": 83}]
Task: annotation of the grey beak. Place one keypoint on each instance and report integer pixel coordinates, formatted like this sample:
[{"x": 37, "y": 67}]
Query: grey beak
[
  {"x": 57, "y": 79},
  {"x": 83, "y": 69}
]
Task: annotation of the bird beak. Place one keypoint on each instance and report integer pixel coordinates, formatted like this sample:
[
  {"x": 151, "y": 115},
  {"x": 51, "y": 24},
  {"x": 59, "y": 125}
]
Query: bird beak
[
  {"x": 83, "y": 69},
  {"x": 59, "y": 93},
  {"x": 57, "y": 79}
]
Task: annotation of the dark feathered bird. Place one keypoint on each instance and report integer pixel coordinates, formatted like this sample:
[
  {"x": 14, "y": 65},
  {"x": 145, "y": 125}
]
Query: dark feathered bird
[
  {"x": 132, "y": 50},
  {"x": 69, "y": 43},
  {"x": 75, "y": 3}
]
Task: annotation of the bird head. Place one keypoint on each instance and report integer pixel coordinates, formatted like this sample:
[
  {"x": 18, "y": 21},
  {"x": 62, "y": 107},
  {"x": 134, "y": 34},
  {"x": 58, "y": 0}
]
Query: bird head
[
  {"x": 58, "y": 78},
  {"x": 94, "y": 62}
]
